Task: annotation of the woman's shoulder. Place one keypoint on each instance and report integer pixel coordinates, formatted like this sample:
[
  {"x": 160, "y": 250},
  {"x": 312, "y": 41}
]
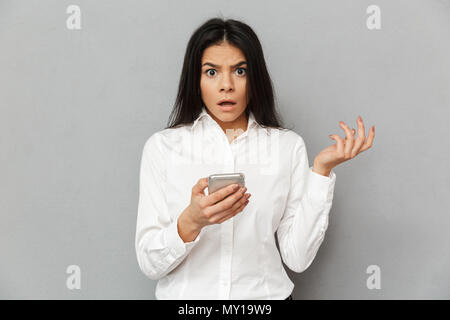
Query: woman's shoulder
[
  {"x": 166, "y": 138},
  {"x": 288, "y": 137}
]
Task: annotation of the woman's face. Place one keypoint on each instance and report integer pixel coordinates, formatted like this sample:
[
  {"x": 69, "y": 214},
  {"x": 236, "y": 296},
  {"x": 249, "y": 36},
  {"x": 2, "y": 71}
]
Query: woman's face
[{"x": 224, "y": 76}]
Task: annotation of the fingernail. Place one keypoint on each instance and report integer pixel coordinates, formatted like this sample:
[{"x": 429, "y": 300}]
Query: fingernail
[
  {"x": 235, "y": 186},
  {"x": 359, "y": 118}
]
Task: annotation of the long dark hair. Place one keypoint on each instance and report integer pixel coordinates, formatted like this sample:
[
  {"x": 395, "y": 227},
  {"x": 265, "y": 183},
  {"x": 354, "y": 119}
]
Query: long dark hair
[{"x": 188, "y": 104}]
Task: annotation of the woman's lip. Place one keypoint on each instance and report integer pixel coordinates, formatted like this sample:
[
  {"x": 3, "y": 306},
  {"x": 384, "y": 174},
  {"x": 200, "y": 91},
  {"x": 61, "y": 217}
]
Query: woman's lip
[
  {"x": 227, "y": 100},
  {"x": 228, "y": 107}
]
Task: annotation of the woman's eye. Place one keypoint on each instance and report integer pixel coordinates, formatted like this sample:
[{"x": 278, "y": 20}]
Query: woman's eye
[
  {"x": 213, "y": 70},
  {"x": 242, "y": 69}
]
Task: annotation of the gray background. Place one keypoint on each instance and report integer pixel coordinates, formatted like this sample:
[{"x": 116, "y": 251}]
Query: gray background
[{"x": 77, "y": 107}]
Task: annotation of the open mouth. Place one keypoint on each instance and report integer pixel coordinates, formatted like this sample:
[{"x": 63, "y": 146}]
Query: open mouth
[{"x": 227, "y": 106}]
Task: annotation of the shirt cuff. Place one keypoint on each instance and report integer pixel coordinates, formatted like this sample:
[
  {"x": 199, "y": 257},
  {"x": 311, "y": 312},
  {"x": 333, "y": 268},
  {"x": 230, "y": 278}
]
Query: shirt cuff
[
  {"x": 321, "y": 188},
  {"x": 177, "y": 247}
]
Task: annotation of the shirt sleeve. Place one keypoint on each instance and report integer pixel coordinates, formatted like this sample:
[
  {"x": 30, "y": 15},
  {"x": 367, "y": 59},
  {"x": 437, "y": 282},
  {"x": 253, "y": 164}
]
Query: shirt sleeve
[
  {"x": 159, "y": 247},
  {"x": 305, "y": 219}
]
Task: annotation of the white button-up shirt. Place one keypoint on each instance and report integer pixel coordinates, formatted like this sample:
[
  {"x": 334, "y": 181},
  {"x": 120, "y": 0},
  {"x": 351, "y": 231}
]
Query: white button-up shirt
[{"x": 239, "y": 258}]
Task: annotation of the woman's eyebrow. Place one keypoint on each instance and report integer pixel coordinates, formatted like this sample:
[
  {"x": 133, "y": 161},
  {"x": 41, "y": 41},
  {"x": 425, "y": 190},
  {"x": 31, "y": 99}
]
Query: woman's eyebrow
[{"x": 217, "y": 66}]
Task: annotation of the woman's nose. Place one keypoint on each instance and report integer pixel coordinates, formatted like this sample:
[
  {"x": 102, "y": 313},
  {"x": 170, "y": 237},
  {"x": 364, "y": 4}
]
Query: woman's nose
[{"x": 226, "y": 83}]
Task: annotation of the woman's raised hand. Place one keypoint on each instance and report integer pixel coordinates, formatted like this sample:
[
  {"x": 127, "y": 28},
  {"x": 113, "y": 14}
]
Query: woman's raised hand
[{"x": 346, "y": 149}]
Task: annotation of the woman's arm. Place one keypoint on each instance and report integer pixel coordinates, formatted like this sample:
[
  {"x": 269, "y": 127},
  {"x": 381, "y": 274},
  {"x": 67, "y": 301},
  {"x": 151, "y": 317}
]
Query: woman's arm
[
  {"x": 305, "y": 220},
  {"x": 159, "y": 247}
]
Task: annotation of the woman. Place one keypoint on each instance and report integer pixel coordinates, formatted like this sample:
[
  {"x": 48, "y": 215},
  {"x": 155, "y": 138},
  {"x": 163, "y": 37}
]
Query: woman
[{"x": 222, "y": 245}]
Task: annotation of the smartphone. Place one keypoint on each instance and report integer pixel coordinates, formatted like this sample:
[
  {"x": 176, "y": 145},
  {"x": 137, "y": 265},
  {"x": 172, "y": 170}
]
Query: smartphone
[{"x": 220, "y": 180}]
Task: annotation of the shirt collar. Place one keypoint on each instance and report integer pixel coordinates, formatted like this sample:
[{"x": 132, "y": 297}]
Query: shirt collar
[{"x": 205, "y": 115}]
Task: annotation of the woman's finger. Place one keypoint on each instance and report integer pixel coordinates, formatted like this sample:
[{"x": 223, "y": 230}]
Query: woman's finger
[
  {"x": 235, "y": 212},
  {"x": 240, "y": 209},
  {"x": 369, "y": 141},
  {"x": 339, "y": 144},
  {"x": 360, "y": 139},
  {"x": 218, "y": 216},
  {"x": 227, "y": 203},
  {"x": 220, "y": 194},
  {"x": 349, "y": 140}
]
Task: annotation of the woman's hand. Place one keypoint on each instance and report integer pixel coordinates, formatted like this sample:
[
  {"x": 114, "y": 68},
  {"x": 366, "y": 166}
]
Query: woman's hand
[
  {"x": 343, "y": 150},
  {"x": 217, "y": 207}
]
